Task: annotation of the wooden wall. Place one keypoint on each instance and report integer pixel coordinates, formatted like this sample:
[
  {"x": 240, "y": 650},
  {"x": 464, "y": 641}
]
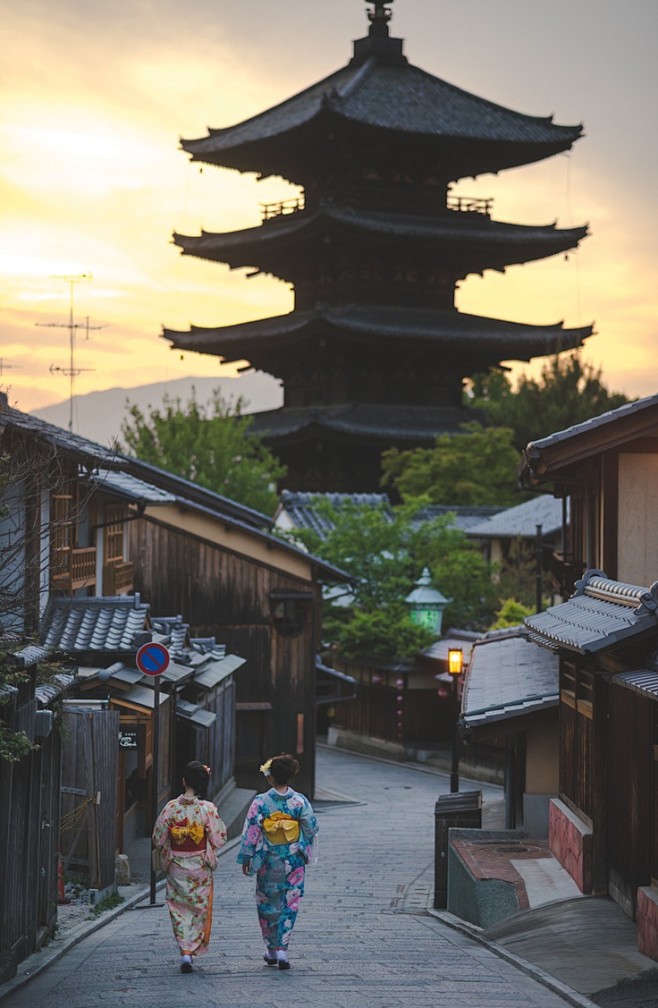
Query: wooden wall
[
  {"x": 227, "y": 595},
  {"x": 630, "y": 795}
]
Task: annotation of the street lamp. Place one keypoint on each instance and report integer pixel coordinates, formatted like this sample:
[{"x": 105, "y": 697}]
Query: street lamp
[
  {"x": 455, "y": 667},
  {"x": 426, "y": 604}
]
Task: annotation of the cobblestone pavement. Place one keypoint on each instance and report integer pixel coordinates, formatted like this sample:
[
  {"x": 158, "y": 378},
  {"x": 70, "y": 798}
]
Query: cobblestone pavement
[{"x": 363, "y": 937}]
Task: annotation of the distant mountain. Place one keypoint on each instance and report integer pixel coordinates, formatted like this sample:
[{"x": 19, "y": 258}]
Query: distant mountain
[{"x": 99, "y": 415}]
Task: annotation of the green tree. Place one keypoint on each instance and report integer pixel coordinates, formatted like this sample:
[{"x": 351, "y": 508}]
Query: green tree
[
  {"x": 213, "y": 446},
  {"x": 385, "y": 550},
  {"x": 511, "y": 613},
  {"x": 568, "y": 391},
  {"x": 477, "y": 466}
]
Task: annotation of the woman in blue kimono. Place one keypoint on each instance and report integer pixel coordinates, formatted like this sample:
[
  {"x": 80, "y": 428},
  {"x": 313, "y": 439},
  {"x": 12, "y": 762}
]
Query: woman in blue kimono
[{"x": 277, "y": 844}]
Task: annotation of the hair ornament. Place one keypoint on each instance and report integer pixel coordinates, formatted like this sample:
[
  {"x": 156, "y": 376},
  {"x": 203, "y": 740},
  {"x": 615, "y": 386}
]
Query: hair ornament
[
  {"x": 266, "y": 767},
  {"x": 206, "y": 768}
]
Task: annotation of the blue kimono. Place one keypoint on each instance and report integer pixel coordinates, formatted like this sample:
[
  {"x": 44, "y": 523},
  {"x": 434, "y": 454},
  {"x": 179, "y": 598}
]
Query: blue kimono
[{"x": 276, "y": 842}]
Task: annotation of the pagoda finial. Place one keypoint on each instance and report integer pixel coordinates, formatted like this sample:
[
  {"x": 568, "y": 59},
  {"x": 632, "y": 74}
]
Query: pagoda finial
[{"x": 379, "y": 15}]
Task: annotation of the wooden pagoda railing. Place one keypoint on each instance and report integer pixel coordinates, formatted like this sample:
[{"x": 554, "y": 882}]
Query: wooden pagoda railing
[
  {"x": 270, "y": 210},
  {"x": 470, "y": 204}
]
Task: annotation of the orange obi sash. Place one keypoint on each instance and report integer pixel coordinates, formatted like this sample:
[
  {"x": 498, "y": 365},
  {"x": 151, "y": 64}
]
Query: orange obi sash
[
  {"x": 188, "y": 837},
  {"x": 281, "y": 828}
]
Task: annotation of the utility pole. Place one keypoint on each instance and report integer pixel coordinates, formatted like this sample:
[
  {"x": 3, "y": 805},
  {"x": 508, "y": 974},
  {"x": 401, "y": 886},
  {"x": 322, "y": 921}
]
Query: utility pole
[{"x": 72, "y": 371}]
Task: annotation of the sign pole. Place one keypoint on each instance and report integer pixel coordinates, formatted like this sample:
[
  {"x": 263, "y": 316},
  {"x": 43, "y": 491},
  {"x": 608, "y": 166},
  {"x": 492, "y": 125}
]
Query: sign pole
[
  {"x": 152, "y": 659},
  {"x": 155, "y": 769}
]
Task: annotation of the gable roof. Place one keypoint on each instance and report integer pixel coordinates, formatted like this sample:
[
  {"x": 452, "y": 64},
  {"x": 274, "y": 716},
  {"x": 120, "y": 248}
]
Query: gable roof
[
  {"x": 143, "y": 483},
  {"x": 544, "y": 458},
  {"x": 600, "y": 614}
]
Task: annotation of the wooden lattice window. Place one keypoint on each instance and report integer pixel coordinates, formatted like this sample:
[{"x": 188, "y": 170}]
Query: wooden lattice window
[
  {"x": 114, "y": 532},
  {"x": 576, "y": 730},
  {"x": 61, "y": 532}
]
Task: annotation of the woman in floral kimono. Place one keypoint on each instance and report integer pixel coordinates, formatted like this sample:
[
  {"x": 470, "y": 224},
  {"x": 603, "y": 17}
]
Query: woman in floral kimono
[
  {"x": 277, "y": 843},
  {"x": 188, "y": 833}
]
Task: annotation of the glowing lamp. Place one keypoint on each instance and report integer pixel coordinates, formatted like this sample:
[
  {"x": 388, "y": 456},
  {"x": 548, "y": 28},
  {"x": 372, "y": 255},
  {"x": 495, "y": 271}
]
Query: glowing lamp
[{"x": 455, "y": 661}]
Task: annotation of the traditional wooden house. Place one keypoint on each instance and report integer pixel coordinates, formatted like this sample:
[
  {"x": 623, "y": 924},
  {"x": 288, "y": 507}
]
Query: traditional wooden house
[
  {"x": 374, "y": 353},
  {"x": 604, "y": 825},
  {"x": 82, "y": 524}
]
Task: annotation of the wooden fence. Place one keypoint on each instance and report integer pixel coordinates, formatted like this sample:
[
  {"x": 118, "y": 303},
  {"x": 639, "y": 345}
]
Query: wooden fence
[{"x": 89, "y": 797}]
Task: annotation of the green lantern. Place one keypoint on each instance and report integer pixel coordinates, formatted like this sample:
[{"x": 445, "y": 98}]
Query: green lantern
[{"x": 426, "y": 604}]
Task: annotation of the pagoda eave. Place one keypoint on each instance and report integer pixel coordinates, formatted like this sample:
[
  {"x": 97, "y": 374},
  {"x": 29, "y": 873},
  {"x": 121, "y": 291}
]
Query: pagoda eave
[
  {"x": 492, "y": 339},
  {"x": 370, "y": 422},
  {"x": 280, "y": 246},
  {"x": 421, "y": 115}
]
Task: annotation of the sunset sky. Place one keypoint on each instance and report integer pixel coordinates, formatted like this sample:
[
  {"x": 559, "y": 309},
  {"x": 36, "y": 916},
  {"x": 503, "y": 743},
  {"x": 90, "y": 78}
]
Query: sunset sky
[{"x": 95, "y": 97}]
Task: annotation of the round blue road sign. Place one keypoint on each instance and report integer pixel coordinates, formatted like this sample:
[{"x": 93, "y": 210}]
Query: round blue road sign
[{"x": 152, "y": 658}]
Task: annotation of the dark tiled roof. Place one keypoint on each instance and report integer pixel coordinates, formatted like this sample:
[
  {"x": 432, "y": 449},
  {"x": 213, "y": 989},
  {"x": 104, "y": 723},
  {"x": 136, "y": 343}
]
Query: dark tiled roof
[
  {"x": 522, "y": 519},
  {"x": 508, "y": 677},
  {"x": 476, "y": 241},
  {"x": 376, "y": 421},
  {"x": 303, "y": 510},
  {"x": 398, "y": 99},
  {"x": 121, "y": 624},
  {"x": 465, "y": 516},
  {"x": 642, "y": 681},
  {"x": 600, "y": 614},
  {"x": 122, "y": 484},
  {"x": 93, "y": 624},
  {"x": 372, "y": 323}
]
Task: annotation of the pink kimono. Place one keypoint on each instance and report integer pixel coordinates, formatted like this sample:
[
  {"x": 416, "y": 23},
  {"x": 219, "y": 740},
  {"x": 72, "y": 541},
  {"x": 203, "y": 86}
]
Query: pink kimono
[{"x": 188, "y": 833}]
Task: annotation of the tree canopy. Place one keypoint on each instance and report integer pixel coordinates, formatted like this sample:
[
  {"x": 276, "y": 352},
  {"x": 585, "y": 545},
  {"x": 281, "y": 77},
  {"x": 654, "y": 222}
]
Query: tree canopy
[
  {"x": 213, "y": 446},
  {"x": 477, "y": 466},
  {"x": 568, "y": 391},
  {"x": 385, "y": 549}
]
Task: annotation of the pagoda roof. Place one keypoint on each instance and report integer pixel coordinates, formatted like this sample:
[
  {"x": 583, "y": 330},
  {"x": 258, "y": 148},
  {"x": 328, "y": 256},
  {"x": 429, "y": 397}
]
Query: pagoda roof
[
  {"x": 493, "y": 242},
  {"x": 373, "y": 323},
  {"x": 395, "y": 100},
  {"x": 370, "y": 421}
]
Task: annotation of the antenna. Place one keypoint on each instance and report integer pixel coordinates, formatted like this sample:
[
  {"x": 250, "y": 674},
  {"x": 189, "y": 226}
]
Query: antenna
[{"x": 72, "y": 371}]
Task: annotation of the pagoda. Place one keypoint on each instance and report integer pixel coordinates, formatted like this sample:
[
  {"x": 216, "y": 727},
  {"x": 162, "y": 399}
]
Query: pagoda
[{"x": 374, "y": 353}]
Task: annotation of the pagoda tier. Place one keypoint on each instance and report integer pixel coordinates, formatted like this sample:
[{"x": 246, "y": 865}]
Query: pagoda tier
[
  {"x": 375, "y": 353},
  {"x": 338, "y": 448},
  {"x": 382, "y": 112},
  {"x": 309, "y": 245},
  {"x": 326, "y": 355}
]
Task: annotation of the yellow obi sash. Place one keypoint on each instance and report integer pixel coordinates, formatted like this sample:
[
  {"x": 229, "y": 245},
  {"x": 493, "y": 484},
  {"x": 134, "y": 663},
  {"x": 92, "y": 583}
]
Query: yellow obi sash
[
  {"x": 281, "y": 828},
  {"x": 194, "y": 832}
]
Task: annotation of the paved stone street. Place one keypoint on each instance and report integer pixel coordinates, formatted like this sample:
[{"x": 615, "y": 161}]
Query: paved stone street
[{"x": 363, "y": 937}]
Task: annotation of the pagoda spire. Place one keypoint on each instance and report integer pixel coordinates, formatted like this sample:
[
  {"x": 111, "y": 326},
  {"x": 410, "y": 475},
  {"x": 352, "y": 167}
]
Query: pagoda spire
[{"x": 379, "y": 16}]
